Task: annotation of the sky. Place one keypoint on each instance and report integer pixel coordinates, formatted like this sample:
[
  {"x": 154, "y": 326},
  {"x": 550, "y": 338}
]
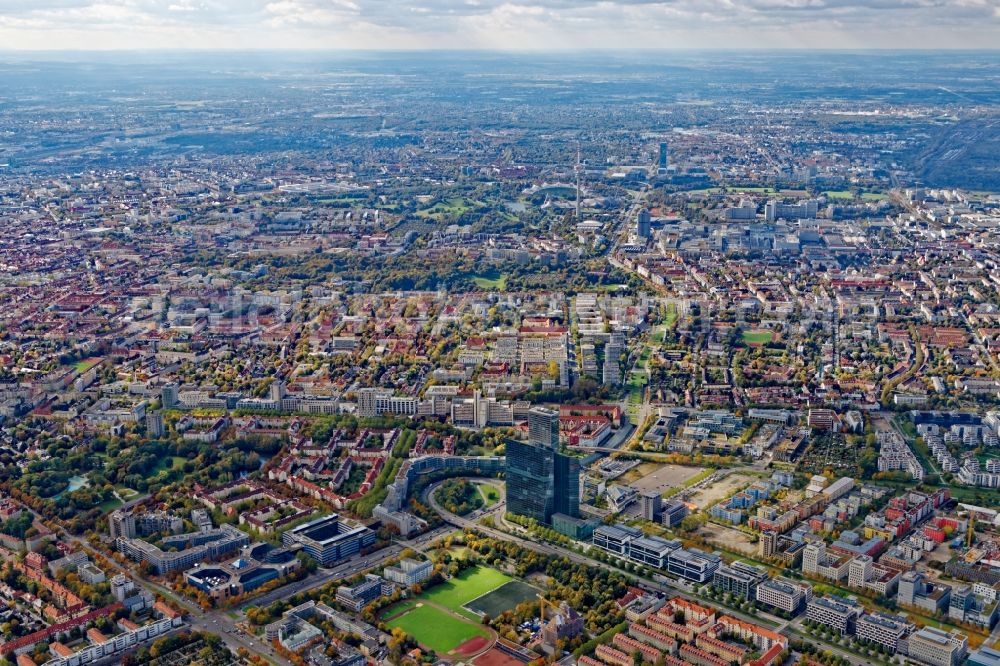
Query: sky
[{"x": 497, "y": 24}]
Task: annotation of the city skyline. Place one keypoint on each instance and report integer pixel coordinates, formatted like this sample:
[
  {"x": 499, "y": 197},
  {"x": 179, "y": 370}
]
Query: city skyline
[{"x": 497, "y": 24}]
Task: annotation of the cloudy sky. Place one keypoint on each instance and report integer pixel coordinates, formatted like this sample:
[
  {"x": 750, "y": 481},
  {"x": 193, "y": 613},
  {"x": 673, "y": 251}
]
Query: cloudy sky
[{"x": 497, "y": 24}]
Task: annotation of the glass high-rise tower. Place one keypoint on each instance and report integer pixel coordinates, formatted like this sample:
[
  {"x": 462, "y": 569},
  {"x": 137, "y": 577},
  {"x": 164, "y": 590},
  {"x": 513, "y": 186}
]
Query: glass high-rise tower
[{"x": 540, "y": 480}]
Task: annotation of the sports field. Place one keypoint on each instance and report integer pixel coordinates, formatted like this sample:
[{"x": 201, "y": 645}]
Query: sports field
[
  {"x": 502, "y": 599},
  {"x": 757, "y": 337},
  {"x": 471, "y": 583},
  {"x": 436, "y": 629}
]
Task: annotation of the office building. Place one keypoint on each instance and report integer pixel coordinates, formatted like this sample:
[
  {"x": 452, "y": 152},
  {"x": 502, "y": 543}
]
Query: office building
[
  {"x": 652, "y": 505},
  {"x": 652, "y": 551},
  {"x": 934, "y": 647},
  {"x": 695, "y": 565},
  {"x": 358, "y": 596},
  {"x": 673, "y": 512},
  {"x": 530, "y": 480},
  {"x": 889, "y": 631},
  {"x": 329, "y": 540},
  {"x": 967, "y": 606},
  {"x": 739, "y": 579},
  {"x": 783, "y": 594},
  {"x": 254, "y": 567},
  {"x": 835, "y": 612},
  {"x": 567, "y": 485},
  {"x": 662, "y": 160},
  {"x": 631, "y": 544},
  {"x": 984, "y": 656},
  {"x": 540, "y": 481},
  {"x": 915, "y": 590},
  {"x": 615, "y": 539}
]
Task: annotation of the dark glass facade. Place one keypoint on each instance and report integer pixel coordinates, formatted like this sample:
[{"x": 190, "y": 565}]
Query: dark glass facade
[
  {"x": 541, "y": 482},
  {"x": 567, "y": 485}
]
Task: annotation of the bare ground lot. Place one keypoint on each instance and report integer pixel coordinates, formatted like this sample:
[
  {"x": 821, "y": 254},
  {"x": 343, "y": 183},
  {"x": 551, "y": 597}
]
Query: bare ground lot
[
  {"x": 941, "y": 553},
  {"x": 720, "y": 490},
  {"x": 728, "y": 538},
  {"x": 664, "y": 477}
]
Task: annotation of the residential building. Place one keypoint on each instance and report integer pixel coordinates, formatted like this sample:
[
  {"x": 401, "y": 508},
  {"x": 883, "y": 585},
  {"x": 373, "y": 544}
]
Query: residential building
[
  {"x": 182, "y": 551},
  {"x": 409, "y": 572},
  {"x": 816, "y": 561},
  {"x": 543, "y": 427}
]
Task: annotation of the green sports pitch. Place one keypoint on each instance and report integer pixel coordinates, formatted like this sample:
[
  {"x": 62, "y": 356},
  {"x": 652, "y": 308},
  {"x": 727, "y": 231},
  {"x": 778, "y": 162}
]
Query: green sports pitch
[
  {"x": 470, "y": 584},
  {"x": 504, "y": 598},
  {"x": 436, "y": 629}
]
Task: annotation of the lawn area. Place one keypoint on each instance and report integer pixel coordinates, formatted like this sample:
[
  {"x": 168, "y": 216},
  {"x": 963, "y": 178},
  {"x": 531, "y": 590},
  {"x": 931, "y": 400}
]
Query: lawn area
[
  {"x": 109, "y": 505},
  {"x": 436, "y": 629},
  {"x": 556, "y": 191},
  {"x": 449, "y": 209},
  {"x": 757, "y": 337},
  {"x": 758, "y": 190},
  {"x": 492, "y": 279},
  {"x": 846, "y": 195},
  {"x": 167, "y": 463},
  {"x": 471, "y": 583},
  {"x": 490, "y": 494},
  {"x": 85, "y": 364},
  {"x": 635, "y": 383},
  {"x": 126, "y": 493},
  {"x": 671, "y": 315}
]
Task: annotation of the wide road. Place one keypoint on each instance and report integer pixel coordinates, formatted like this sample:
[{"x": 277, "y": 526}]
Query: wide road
[
  {"x": 662, "y": 584},
  {"x": 224, "y": 625}
]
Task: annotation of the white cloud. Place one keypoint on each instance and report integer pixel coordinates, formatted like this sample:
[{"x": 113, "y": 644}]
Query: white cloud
[{"x": 537, "y": 24}]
